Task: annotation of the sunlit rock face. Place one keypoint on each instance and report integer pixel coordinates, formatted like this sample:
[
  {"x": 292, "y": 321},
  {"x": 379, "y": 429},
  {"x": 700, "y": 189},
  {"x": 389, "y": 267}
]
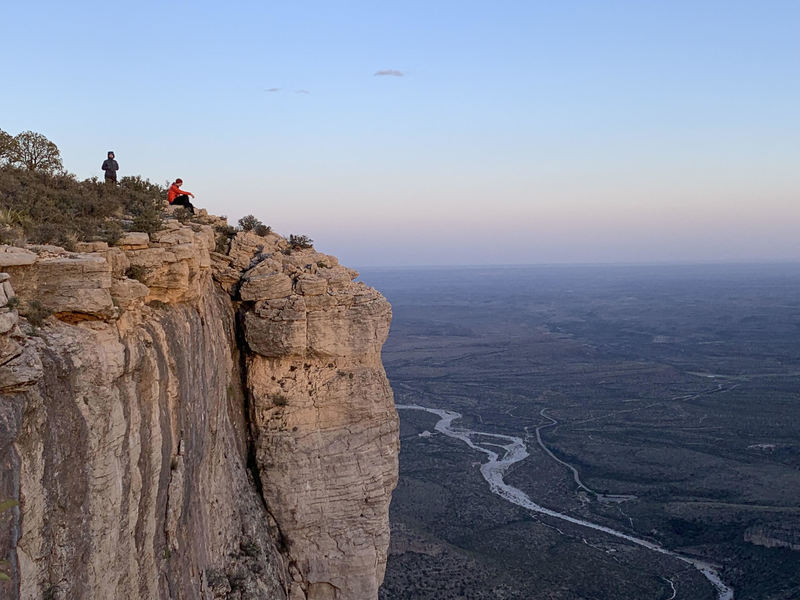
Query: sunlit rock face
[
  {"x": 324, "y": 426},
  {"x": 218, "y": 427}
]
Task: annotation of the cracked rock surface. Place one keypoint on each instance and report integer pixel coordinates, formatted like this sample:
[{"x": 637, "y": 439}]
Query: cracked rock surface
[{"x": 219, "y": 427}]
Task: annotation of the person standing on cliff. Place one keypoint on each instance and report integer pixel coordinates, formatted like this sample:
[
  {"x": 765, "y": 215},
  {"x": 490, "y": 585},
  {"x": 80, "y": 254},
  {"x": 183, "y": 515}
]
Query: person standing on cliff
[
  {"x": 176, "y": 195},
  {"x": 111, "y": 166}
]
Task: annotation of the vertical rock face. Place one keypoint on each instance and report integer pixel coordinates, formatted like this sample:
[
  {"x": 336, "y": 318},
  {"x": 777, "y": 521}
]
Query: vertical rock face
[
  {"x": 322, "y": 418},
  {"x": 324, "y": 425},
  {"x": 221, "y": 428}
]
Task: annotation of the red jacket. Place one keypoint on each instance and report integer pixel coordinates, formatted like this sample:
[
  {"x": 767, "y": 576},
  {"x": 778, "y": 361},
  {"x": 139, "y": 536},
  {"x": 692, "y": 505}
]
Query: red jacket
[{"x": 174, "y": 192}]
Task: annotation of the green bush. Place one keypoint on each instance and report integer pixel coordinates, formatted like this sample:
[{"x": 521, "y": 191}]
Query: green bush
[
  {"x": 35, "y": 313},
  {"x": 13, "y": 218},
  {"x": 144, "y": 201},
  {"x": 223, "y": 238},
  {"x": 136, "y": 185},
  {"x": 136, "y": 272},
  {"x": 111, "y": 232},
  {"x": 147, "y": 223},
  {"x": 299, "y": 242},
  {"x": 183, "y": 214},
  {"x": 221, "y": 244},
  {"x": 57, "y": 208},
  {"x": 249, "y": 223}
]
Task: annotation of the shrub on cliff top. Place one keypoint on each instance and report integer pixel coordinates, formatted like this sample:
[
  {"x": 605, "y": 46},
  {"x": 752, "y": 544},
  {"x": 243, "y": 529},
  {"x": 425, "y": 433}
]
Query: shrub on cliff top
[
  {"x": 251, "y": 223},
  {"x": 45, "y": 204},
  {"x": 144, "y": 201},
  {"x": 299, "y": 242},
  {"x": 183, "y": 214},
  {"x": 223, "y": 238},
  {"x": 111, "y": 231},
  {"x": 55, "y": 208},
  {"x": 248, "y": 223}
]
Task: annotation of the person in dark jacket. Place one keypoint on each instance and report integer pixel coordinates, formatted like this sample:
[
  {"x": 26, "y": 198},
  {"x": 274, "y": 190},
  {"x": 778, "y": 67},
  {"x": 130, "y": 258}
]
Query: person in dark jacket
[
  {"x": 175, "y": 195},
  {"x": 110, "y": 166}
]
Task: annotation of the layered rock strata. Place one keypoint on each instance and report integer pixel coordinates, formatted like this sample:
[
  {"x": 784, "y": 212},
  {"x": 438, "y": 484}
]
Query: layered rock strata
[
  {"x": 324, "y": 435},
  {"x": 192, "y": 424}
]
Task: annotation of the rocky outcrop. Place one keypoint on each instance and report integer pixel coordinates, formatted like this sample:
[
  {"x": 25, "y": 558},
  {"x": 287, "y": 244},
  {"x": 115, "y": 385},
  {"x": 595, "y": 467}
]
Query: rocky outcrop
[
  {"x": 324, "y": 435},
  {"x": 192, "y": 424}
]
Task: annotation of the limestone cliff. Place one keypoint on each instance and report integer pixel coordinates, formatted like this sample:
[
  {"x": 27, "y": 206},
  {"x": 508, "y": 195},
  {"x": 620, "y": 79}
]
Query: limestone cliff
[{"x": 218, "y": 427}]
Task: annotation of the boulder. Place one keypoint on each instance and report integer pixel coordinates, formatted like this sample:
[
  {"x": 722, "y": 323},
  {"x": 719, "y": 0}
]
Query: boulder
[
  {"x": 275, "y": 338},
  {"x": 150, "y": 258},
  {"x": 184, "y": 235},
  {"x": 128, "y": 292},
  {"x": 8, "y": 319},
  {"x": 11, "y": 256},
  {"x": 134, "y": 240},
  {"x": 265, "y": 287},
  {"x": 21, "y": 372},
  {"x": 91, "y": 246},
  {"x": 311, "y": 285}
]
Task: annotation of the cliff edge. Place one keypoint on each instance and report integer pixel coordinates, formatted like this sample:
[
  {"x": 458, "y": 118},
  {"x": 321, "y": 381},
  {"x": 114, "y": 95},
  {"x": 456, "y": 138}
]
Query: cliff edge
[{"x": 177, "y": 422}]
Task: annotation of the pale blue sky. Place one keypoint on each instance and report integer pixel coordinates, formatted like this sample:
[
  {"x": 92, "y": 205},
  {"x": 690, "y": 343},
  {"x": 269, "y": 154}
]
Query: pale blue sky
[{"x": 521, "y": 132}]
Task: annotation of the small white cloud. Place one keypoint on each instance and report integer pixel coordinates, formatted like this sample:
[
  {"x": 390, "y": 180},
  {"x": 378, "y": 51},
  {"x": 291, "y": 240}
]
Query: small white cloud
[
  {"x": 302, "y": 92},
  {"x": 389, "y": 72}
]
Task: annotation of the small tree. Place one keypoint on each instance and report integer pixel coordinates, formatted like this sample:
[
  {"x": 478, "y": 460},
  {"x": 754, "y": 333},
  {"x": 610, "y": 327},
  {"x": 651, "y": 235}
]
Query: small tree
[
  {"x": 299, "y": 242},
  {"x": 35, "y": 152},
  {"x": 6, "y": 146},
  {"x": 249, "y": 223},
  {"x": 183, "y": 215}
]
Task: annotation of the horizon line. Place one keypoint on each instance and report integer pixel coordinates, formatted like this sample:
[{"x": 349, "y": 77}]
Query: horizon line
[{"x": 685, "y": 263}]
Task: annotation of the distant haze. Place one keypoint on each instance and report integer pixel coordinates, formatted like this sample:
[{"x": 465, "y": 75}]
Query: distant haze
[{"x": 439, "y": 133}]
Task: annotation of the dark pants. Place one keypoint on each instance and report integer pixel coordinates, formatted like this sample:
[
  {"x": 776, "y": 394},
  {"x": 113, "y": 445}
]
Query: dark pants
[{"x": 183, "y": 200}]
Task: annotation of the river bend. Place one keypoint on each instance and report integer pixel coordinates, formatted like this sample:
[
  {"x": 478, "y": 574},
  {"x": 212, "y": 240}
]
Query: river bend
[{"x": 514, "y": 451}]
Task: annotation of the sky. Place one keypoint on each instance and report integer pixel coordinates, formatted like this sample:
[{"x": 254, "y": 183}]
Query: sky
[{"x": 437, "y": 132}]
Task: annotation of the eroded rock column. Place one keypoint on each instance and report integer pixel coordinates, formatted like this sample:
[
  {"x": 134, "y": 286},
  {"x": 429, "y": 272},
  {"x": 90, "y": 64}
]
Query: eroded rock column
[{"x": 323, "y": 420}]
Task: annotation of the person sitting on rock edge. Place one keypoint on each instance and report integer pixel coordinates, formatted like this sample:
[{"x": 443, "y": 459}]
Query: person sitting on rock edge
[{"x": 176, "y": 195}]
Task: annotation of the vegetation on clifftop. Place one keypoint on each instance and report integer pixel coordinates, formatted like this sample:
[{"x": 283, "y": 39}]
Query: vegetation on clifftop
[{"x": 40, "y": 202}]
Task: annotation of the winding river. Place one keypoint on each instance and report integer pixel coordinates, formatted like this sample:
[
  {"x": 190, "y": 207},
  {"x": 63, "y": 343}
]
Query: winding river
[{"x": 513, "y": 451}]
